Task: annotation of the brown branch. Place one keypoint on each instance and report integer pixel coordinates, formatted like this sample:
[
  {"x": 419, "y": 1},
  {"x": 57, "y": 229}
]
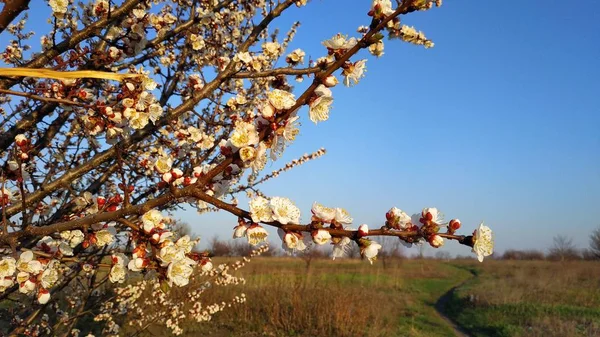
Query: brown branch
[
  {"x": 278, "y": 71},
  {"x": 11, "y": 9},
  {"x": 353, "y": 234},
  {"x": 41, "y": 98}
]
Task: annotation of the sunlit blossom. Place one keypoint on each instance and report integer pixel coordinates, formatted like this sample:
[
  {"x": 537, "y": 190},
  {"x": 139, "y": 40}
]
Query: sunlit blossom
[{"x": 483, "y": 242}]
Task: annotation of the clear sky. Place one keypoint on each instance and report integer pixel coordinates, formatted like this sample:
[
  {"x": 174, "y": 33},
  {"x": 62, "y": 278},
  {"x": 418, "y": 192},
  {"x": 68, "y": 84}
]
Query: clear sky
[{"x": 499, "y": 122}]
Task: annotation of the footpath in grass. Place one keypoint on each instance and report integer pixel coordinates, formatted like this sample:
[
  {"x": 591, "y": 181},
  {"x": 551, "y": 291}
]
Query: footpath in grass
[
  {"x": 421, "y": 318},
  {"x": 528, "y": 299}
]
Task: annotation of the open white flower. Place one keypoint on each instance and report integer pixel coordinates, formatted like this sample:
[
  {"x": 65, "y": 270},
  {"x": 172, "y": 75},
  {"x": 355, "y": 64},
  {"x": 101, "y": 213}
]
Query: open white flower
[
  {"x": 244, "y": 134},
  {"x": 185, "y": 243},
  {"x": 179, "y": 271},
  {"x": 271, "y": 48},
  {"x": 244, "y": 57},
  {"x": 340, "y": 42},
  {"x": 8, "y": 266},
  {"x": 151, "y": 219},
  {"x": 284, "y": 210},
  {"x": 170, "y": 253},
  {"x": 319, "y": 109},
  {"x": 281, "y": 100},
  {"x": 74, "y": 237},
  {"x": 321, "y": 236},
  {"x": 483, "y": 242},
  {"x": 137, "y": 264},
  {"x": 163, "y": 164},
  {"x": 27, "y": 263},
  {"x": 6, "y": 283},
  {"x": 117, "y": 273},
  {"x": 247, "y": 153},
  {"x": 295, "y": 57},
  {"x": 256, "y": 234},
  {"x": 341, "y": 248},
  {"x": 383, "y": 7},
  {"x": 322, "y": 90},
  {"x": 239, "y": 231},
  {"x": 291, "y": 242},
  {"x": 65, "y": 249},
  {"x": 376, "y": 49},
  {"x": 260, "y": 158},
  {"x": 27, "y": 287},
  {"x": 353, "y": 72},
  {"x": 59, "y": 7},
  {"x": 342, "y": 216},
  {"x": 138, "y": 119},
  {"x": 398, "y": 219},
  {"x": 50, "y": 275},
  {"x": 431, "y": 214},
  {"x": 105, "y": 236},
  {"x": 325, "y": 214},
  {"x": 161, "y": 236},
  {"x": 260, "y": 210},
  {"x": 369, "y": 250}
]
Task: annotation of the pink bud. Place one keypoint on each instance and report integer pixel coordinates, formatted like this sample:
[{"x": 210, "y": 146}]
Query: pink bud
[
  {"x": 454, "y": 224},
  {"x": 436, "y": 241},
  {"x": 177, "y": 173},
  {"x": 43, "y": 296},
  {"x": 363, "y": 230}
]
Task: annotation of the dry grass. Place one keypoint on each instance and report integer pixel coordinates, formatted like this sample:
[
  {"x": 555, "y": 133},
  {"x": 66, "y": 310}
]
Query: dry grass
[
  {"x": 353, "y": 298},
  {"x": 332, "y": 298}
]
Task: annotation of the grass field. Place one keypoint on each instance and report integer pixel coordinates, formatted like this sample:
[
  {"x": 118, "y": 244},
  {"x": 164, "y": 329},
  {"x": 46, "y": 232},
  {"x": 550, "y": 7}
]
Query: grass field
[
  {"x": 288, "y": 297},
  {"x": 529, "y": 298},
  {"x": 398, "y": 298}
]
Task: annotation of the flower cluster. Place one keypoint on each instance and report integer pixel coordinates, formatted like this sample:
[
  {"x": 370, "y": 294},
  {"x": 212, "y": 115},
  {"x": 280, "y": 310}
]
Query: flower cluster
[{"x": 34, "y": 275}]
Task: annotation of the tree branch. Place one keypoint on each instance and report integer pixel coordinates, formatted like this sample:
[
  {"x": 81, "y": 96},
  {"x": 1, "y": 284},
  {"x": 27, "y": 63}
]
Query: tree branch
[{"x": 11, "y": 9}]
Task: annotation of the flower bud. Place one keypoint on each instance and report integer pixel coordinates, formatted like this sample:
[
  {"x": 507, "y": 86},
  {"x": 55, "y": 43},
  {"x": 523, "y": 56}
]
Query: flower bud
[
  {"x": 435, "y": 241},
  {"x": 176, "y": 173},
  {"x": 21, "y": 140},
  {"x": 167, "y": 177},
  {"x": 454, "y": 225},
  {"x": 267, "y": 111},
  {"x": 363, "y": 230},
  {"x": 321, "y": 236},
  {"x": 43, "y": 296},
  {"x": 239, "y": 230},
  {"x": 206, "y": 265},
  {"x": 330, "y": 81}
]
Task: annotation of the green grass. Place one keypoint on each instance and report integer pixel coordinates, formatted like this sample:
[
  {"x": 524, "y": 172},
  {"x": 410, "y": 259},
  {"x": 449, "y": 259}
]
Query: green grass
[{"x": 509, "y": 299}]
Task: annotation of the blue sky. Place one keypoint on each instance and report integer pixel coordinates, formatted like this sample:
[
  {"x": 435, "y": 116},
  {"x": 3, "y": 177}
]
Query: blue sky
[{"x": 499, "y": 122}]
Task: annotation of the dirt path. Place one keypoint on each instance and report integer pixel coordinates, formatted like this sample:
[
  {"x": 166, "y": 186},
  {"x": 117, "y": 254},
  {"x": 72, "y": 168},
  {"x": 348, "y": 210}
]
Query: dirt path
[{"x": 441, "y": 303}]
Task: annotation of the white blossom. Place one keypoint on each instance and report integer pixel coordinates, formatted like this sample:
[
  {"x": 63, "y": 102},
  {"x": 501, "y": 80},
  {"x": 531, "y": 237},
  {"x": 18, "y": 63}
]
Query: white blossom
[
  {"x": 284, "y": 210},
  {"x": 321, "y": 236},
  {"x": 483, "y": 242},
  {"x": 260, "y": 210},
  {"x": 8, "y": 266}
]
